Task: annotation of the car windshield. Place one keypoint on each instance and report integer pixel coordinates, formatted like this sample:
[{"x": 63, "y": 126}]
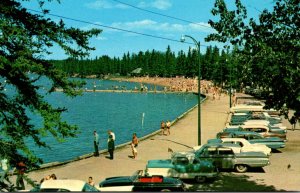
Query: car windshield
[
  {"x": 136, "y": 175},
  {"x": 255, "y": 137}
]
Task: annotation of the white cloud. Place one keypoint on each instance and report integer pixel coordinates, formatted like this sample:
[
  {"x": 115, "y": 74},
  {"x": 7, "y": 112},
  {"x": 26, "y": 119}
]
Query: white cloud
[
  {"x": 148, "y": 25},
  {"x": 158, "y": 4},
  {"x": 103, "y": 4},
  {"x": 101, "y": 37},
  {"x": 142, "y": 24},
  {"x": 90, "y": 26},
  {"x": 162, "y": 4},
  {"x": 201, "y": 26}
]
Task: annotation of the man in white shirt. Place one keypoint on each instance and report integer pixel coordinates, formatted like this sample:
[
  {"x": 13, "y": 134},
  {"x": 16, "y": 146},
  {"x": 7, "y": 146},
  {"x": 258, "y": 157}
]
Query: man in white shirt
[{"x": 112, "y": 134}]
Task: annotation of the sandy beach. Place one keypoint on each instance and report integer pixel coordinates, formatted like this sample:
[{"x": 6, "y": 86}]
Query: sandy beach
[
  {"x": 275, "y": 177},
  {"x": 178, "y": 84}
]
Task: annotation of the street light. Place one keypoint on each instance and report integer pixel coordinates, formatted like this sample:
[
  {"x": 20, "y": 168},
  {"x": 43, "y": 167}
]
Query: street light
[{"x": 199, "y": 84}]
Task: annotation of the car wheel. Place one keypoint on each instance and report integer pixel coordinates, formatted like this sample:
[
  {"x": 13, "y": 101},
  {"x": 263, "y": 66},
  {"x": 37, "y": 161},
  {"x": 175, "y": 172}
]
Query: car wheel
[
  {"x": 165, "y": 190},
  {"x": 200, "y": 179},
  {"x": 241, "y": 168}
]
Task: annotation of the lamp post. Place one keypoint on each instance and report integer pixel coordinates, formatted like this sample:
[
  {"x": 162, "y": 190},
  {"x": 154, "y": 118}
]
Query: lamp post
[
  {"x": 199, "y": 84},
  {"x": 230, "y": 97}
]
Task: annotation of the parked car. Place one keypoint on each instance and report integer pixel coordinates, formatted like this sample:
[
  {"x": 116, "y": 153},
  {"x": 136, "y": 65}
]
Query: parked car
[
  {"x": 247, "y": 107},
  {"x": 244, "y": 145},
  {"x": 274, "y": 115},
  {"x": 256, "y": 138},
  {"x": 65, "y": 186},
  {"x": 272, "y": 128},
  {"x": 265, "y": 123},
  {"x": 261, "y": 129},
  {"x": 140, "y": 182},
  {"x": 265, "y": 131},
  {"x": 183, "y": 165},
  {"x": 239, "y": 118},
  {"x": 224, "y": 157}
]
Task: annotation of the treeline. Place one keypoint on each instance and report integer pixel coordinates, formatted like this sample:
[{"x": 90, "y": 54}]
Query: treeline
[{"x": 214, "y": 64}]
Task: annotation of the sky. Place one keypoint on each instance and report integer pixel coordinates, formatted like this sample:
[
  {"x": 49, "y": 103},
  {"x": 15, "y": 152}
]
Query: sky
[{"x": 181, "y": 17}]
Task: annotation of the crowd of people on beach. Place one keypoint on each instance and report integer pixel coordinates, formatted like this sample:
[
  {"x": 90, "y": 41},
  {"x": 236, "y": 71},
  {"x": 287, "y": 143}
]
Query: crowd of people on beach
[{"x": 175, "y": 84}]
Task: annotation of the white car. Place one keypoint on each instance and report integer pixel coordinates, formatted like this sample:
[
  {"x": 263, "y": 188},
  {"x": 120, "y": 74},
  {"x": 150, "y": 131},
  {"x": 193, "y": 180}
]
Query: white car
[
  {"x": 265, "y": 123},
  {"x": 67, "y": 185},
  {"x": 244, "y": 107},
  {"x": 245, "y": 146}
]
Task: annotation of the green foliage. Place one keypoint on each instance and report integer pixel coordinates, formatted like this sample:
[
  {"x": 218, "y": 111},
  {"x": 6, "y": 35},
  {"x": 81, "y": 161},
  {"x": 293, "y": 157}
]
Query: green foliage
[
  {"x": 154, "y": 63},
  {"x": 266, "y": 52},
  {"x": 25, "y": 39}
]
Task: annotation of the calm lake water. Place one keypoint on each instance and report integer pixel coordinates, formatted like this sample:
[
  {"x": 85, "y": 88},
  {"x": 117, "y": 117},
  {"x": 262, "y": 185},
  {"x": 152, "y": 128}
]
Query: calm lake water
[{"x": 124, "y": 113}]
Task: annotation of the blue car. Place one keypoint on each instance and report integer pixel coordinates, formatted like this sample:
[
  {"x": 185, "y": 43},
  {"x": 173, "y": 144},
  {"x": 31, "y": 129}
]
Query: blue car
[{"x": 253, "y": 137}]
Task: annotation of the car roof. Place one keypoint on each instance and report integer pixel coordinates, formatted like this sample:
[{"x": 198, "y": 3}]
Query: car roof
[
  {"x": 239, "y": 114},
  {"x": 68, "y": 184},
  {"x": 254, "y": 125},
  {"x": 221, "y": 145},
  {"x": 234, "y": 139},
  {"x": 245, "y": 132},
  {"x": 257, "y": 121},
  {"x": 186, "y": 154}
]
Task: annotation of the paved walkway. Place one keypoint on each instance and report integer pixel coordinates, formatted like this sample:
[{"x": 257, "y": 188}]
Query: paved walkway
[{"x": 183, "y": 134}]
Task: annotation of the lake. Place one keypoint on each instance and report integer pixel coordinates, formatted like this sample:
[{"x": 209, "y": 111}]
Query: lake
[{"x": 123, "y": 113}]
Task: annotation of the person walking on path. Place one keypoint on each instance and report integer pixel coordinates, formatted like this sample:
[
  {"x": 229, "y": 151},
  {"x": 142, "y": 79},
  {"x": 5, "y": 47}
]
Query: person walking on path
[
  {"x": 168, "y": 125},
  {"x": 21, "y": 168},
  {"x": 111, "y": 147},
  {"x": 293, "y": 122},
  {"x": 96, "y": 144},
  {"x": 134, "y": 145},
  {"x": 162, "y": 127}
]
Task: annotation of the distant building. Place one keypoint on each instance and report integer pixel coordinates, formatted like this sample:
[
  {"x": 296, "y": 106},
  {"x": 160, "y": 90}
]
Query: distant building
[{"x": 136, "y": 72}]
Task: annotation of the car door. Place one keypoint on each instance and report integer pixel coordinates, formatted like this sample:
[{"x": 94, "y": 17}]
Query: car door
[
  {"x": 181, "y": 165},
  {"x": 225, "y": 157},
  {"x": 210, "y": 153}
]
